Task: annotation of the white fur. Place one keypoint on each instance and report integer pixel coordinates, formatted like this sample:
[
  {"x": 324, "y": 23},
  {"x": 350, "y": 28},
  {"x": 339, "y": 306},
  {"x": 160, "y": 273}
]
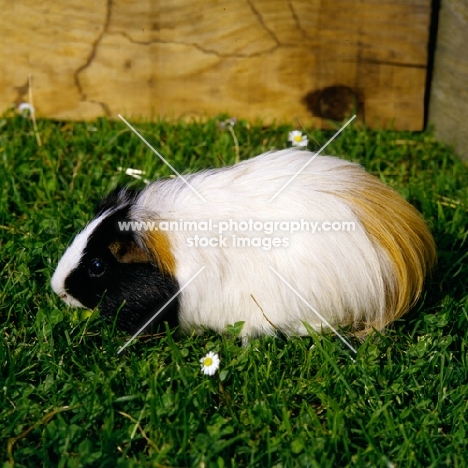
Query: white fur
[{"x": 339, "y": 273}]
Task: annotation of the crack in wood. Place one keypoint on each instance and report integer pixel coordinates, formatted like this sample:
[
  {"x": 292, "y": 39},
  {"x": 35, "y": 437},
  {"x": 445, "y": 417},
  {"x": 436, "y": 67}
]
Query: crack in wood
[
  {"x": 391, "y": 64},
  {"x": 104, "y": 107},
  {"x": 203, "y": 49},
  {"x": 303, "y": 32},
  {"x": 21, "y": 90},
  {"x": 262, "y": 22},
  {"x": 91, "y": 56}
]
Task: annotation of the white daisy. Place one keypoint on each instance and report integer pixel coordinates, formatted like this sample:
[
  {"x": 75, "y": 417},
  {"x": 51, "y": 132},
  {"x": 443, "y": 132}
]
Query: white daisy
[
  {"x": 228, "y": 123},
  {"x": 210, "y": 363},
  {"x": 297, "y": 138},
  {"x": 25, "y": 108},
  {"x": 135, "y": 173}
]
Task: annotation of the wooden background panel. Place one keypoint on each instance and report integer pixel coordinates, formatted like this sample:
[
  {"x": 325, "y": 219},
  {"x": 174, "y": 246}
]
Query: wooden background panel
[
  {"x": 448, "y": 110},
  {"x": 51, "y": 41},
  {"x": 305, "y": 60}
]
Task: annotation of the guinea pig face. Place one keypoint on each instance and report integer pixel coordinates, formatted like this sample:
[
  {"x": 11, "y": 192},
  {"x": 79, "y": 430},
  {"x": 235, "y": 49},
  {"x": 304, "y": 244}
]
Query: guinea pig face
[{"x": 106, "y": 268}]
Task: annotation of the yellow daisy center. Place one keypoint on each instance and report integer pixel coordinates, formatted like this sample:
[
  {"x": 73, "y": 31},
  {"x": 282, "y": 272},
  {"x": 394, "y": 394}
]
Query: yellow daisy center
[
  {"x": 298, "y": 138},
  {"x": 207, "y": 362}
]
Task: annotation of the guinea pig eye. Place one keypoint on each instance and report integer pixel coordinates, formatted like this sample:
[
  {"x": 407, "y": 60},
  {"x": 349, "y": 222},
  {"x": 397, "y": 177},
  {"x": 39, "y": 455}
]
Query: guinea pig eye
[{"x": 96, "y": 267}]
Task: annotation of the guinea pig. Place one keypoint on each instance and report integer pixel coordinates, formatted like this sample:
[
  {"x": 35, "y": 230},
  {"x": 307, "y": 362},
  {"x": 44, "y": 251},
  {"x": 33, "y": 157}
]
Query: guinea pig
[{"x": 278, "y": 240}]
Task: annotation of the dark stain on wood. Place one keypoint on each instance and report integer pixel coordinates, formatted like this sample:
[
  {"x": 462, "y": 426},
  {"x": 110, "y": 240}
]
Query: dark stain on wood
[{"x": 334, "y": 102}]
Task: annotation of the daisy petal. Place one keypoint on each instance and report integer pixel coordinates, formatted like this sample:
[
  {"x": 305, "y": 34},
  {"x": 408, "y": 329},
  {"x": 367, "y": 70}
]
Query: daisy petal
[
  {"x": 294, "y": 134},
  {"x": 210, "y": 363}
]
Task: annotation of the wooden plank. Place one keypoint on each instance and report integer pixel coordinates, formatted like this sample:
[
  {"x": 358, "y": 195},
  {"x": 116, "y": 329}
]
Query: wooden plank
[
  {"x": 278, "y": 60},
  {"x": 448, "y": 109}
]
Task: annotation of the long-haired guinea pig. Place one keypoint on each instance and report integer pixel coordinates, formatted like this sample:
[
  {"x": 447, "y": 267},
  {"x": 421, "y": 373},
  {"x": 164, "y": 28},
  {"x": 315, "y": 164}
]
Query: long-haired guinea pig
[{"x": 279, "y": 242}]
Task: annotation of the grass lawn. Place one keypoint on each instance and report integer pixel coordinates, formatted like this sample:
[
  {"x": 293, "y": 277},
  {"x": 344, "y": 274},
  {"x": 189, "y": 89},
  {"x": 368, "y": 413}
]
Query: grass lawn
[{"x": 67, "y": 399}]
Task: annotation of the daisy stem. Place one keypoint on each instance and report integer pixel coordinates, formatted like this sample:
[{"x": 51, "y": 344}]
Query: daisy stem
[
  {"x": 33, "y": 113},
  {"x": 236, "y": 142}
]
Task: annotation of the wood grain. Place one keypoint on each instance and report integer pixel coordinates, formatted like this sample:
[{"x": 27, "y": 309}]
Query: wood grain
[
  {"x": 277, "y": 60},
  {"x": 448, "y": 110}
]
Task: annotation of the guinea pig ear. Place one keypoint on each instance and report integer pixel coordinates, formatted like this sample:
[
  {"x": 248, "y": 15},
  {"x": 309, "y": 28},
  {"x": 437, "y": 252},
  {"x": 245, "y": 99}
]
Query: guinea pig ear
[
  {"x": 127, "y": 251},
  {"x": 119, "y": 197}
]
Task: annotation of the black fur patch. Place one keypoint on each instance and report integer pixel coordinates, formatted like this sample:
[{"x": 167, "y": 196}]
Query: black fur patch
[
  {"x": 119, "y": 197},
  {"x": 134, "y": 290}
]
